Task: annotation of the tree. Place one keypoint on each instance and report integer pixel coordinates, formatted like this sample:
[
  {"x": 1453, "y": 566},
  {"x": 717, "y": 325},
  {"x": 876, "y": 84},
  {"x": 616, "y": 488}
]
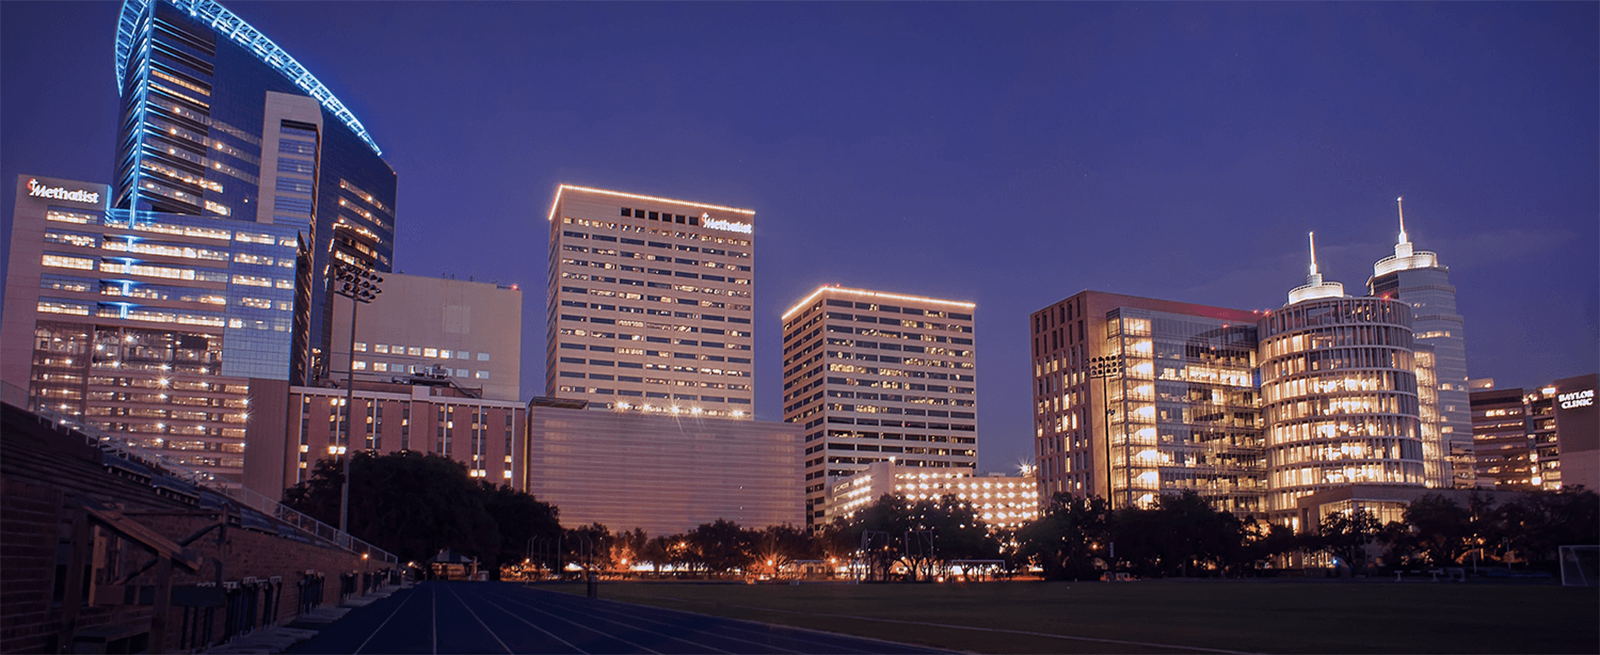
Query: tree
[
  {"x": 778, "y": 545},
  {"x": 953, "y": 525},
  {"x": 722, "y": 546},
  {"x": 520, "y": 518},
  {"x": 1537, "y": 525},
  {"x": 1439, "y": 527},
  {"x": 1346, "y": 534},
  {"x": 1065, "y": 540}
]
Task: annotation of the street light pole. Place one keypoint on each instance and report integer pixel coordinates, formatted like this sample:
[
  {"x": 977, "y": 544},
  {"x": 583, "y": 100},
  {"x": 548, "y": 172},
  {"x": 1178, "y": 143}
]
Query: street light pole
[
  {"x": 1104, "y": 368},
  {"x": 360, "y": 285}
]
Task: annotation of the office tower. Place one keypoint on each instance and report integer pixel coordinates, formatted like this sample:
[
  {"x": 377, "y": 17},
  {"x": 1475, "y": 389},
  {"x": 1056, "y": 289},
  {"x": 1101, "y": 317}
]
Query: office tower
[
  {"x": 1135, "y": 397},
  {"x": 291, "y": 427},
  {"x": 649, "y": 304},
  {"x": 1339, "y": 393},
  {"x": 219, "y": 121},
  {"x": 661, "y": 473},
  {"x": 146, "y": 323},
  {"x": 1416, "y": 278},
  {"x": 467, "y": 332},
  {"x": 872, "y": 376},
  {"x": 1543, "y": 438}
]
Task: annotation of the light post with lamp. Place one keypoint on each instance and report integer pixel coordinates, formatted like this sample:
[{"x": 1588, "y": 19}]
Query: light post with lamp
[
  {"x": 360, "y": 285},
  {"x": 1104, "y": 368}
]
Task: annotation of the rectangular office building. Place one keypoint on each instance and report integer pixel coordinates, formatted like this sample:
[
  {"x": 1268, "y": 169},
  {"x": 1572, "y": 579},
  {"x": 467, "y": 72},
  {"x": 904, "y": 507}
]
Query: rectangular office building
[
  {"x": 146, "y": 323},
  {"x": 879, "y": 377},
  {"x": 650, "y": 304},
  {"x": 661, "y": 473},
  {"x": 1135, "y": 397}
]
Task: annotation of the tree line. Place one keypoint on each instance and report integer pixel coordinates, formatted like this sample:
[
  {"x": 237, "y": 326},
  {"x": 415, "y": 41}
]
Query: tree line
[{"x": 415, "y": 505}]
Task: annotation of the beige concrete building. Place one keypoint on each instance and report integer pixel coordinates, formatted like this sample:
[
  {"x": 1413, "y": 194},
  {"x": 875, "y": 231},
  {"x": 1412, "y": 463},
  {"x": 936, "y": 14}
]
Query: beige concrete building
[
  {"x": 1002, "y": 501},
  {"x": 291, "y": 427},
  {"x": 650, "y": 304},
  {"x": 469, "y": 332},
  {"x": 661, "y": 473},
  {"x": 873, "y": 377}
]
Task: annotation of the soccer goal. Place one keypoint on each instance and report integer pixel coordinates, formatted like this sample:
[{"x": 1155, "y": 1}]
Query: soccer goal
[{"x": 1578, "y": 566}]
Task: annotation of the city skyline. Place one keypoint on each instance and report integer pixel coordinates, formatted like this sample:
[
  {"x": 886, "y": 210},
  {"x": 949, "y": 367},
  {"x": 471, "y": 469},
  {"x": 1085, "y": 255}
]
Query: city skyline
[{"x": 944, "y": 151}]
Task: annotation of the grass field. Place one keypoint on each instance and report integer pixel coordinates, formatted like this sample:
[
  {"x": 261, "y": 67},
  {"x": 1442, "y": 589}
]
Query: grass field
[{"x": 1146, "y": 616}]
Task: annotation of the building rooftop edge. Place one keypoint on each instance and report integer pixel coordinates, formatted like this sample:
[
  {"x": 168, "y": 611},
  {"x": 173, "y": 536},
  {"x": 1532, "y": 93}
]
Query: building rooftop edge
[{"x": 876, "y": 294}]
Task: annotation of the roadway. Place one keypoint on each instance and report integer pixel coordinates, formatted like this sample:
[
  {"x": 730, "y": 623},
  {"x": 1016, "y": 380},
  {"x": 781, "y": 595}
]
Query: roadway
[{"x": 491, "y": 617}]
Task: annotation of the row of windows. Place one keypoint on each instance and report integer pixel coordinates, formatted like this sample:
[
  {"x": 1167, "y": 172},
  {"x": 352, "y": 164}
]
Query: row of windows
[
  {"x": 396, "y": 367},
  {"x": 627, "y": 295},
  {"x": 418, "y": 351},
  {"x": 656, "y": 395},
  {"x": 914, "y": 311},
  {"x": 691, "y": 236},
  {"x": 648, "y": 312},
  {"x": 570, "y": 234}
]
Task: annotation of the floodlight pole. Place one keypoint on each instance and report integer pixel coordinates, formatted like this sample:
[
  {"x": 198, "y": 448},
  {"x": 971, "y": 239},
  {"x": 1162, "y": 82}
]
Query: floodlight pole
[{"x": 360, "y": 285}]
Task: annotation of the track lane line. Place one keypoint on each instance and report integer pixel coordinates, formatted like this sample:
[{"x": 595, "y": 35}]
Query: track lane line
[
  {"x": 381, "y": 625},
  {"x": 575, "y": 623},
  {"x": 706, "y": 647},
  {"x": 602, "y": 615},
  {"x": 480, "y": 622}
]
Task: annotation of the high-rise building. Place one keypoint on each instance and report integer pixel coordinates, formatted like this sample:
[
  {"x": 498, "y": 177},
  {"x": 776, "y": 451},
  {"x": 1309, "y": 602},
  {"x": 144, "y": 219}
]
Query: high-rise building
[
  {"x": 650, "y": 304},
  {"x": 1004, "y": 502},
  {"x": 871, "y": 377},
  {"x": 1542, "y": 438},
  {"x": 219, "y": 121},
  {"x": 1339, "y": 394},
  {"x": 1416, "y": 278},
  {"x": 469, "y": 332},
  {"x": 146, "y": 323},
  {"x": 1135, "y": 397}
]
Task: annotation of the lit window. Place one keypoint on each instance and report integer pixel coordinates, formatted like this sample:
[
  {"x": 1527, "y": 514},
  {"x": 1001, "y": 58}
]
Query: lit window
[
  {"x": 430, "y": 352},
  {"x": 380, "y": 348},
  {"x": 360, "y": 365},
  {"x": 361, "y": 347}
]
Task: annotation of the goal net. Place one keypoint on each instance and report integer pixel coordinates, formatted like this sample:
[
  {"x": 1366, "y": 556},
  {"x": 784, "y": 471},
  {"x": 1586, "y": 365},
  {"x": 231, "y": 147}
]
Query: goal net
[{"x": 1579, "y": 566}]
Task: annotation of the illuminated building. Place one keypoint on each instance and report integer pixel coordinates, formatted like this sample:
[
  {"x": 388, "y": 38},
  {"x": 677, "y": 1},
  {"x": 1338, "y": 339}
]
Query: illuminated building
[
  {"x": 874, "y": 377},
  {"x": 662, "y": 473},
  {"x": 219, "y": 121},
  {"x": 649, "y": 304},
  {"x": 1416, "y": 278},
  {"x": 1339, "y": 394},
  {"x": 1003, "y": 502},
  {"x": 1180, "y": 413},
  {"x": 1543, "y": 438},
  {"x": 416, "y": 413},
  {"x": 146, "y": 323},
  {"x": 470, "y": 332}
]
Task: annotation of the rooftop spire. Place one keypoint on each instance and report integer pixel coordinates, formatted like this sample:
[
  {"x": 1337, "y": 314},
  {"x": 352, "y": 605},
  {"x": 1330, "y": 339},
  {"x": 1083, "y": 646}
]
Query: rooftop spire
[
  {"x": 1314, "y": 286},
  {"x": 1312, "y": 237},
  {"x": 1401, "y": 206}
]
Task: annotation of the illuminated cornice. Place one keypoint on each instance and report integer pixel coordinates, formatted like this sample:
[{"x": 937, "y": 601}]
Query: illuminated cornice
[
  {"x": 872, "y": 294},
  {"x": 635, "y": 196},
  {"x": 234, "y": 28}
]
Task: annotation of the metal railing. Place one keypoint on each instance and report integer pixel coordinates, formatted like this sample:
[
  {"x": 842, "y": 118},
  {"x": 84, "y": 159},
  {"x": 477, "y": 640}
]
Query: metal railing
[{"x": 126, "y": 448}]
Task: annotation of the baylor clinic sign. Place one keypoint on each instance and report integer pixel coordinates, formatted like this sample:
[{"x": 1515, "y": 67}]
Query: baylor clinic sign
[{"x": 38, "y": 190}]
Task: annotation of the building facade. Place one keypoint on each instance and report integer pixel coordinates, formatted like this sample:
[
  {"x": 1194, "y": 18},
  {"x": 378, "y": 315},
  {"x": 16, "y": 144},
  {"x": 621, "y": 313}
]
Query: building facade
[
  {"x": 1546, "y": 438},
  {"x": 1002, "y": 501},
  {"x": 219, "y": 121},
  {"x": 287, "y": 437},
  {"x": 662, "y": 473},
  {"x": 1416, "y": 278},
  {"x": 650, "y": 304},
  {"x": 1339, "y": 392},
  {"x": 1175, "y": 409},
  {"x": 879, "y": 377},
  {"x": 470, "y": 332},
  {"x": 147, "y": 323}
]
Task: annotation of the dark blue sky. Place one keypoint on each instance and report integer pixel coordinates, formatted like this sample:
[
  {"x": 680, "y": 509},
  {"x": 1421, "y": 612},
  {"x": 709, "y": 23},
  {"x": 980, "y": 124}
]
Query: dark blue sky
[{"x": 1006, "y": 154}]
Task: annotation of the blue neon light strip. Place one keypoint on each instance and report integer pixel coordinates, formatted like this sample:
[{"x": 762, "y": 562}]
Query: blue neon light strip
[{"x": 232, "y": 27}]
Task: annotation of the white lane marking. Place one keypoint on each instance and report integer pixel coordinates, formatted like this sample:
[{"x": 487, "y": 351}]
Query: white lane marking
[
  {"x": 433, "y": 593},
  {"x": 664, "y": 634},
  {"x": 385, "y": 622},
  {"x": 480, "y": 621},
  {"x": 1002, "y": 630},
  {"x": 639, "y": 646},
  {"x": 722, "y": 635}
]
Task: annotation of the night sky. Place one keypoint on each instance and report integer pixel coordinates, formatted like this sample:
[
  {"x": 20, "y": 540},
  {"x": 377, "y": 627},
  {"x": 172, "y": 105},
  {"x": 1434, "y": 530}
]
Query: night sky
[{"x": 1006, "y": 154}]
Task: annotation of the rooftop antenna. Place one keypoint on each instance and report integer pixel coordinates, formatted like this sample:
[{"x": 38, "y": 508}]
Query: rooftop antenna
[
  {"x": 1312, "y": 236},
  {"x": 1401, "y": 206}
]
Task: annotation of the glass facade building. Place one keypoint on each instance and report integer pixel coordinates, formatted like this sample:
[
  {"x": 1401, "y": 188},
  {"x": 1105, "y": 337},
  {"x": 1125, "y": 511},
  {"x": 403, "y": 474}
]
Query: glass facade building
[
  {"x": 1416, "y": 278},
  {"x": 219, "y": 122},
  {"x": 147, "y": 323}
]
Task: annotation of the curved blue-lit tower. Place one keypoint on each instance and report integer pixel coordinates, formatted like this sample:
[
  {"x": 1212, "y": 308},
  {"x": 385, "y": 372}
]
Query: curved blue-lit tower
[{"x": 217, "y": 120}]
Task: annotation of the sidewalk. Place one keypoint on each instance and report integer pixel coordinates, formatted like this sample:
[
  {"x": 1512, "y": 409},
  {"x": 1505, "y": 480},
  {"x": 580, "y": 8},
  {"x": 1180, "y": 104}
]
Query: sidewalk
[{"x": 277, "y": 639}]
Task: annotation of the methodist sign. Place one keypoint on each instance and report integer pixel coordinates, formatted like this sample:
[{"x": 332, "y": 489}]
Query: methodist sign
[
  {"x": 37, "y": 190},
  {"x": 725, "y": 225}
]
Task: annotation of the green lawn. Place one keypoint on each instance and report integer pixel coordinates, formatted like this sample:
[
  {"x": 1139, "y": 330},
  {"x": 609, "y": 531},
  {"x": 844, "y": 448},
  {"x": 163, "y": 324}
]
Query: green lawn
[{"x": 1261, "y": 617}]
